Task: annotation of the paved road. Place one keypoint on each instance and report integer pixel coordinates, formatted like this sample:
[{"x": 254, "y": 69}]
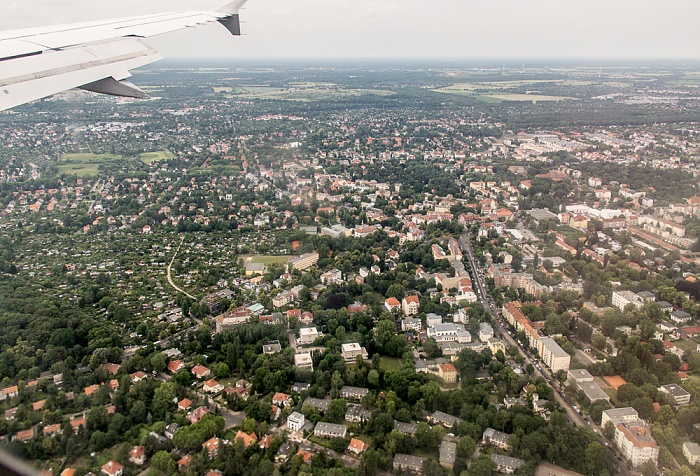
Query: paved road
[{"x": 539, "y": 371}]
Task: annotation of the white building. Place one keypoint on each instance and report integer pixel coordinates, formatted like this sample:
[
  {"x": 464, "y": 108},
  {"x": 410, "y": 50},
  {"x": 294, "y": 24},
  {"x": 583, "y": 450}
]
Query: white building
[
  {"x": 433, "y": 320},
  {"x": 352, "y": 350},
  {"x": 304, "y": 361},
  {"x": 620, "y": 299},
  {"x": 691, "y": 451},
  {"x": 675, "y": 393},
  {"x": 411, "y": 323},
  {"x": 330, "y": 430},
  {"x": 635, "y": 442},
  {"x": 617, "y": 415},
  {"x": 295, "y": 421},
  {"x": 308, "y": 335},
  {"x": 485, "y": 332},
  {"x": 553, "y": 355},
  {"x": 449, "y": 332},
  {"x": 632, "y": 435},
  {"x": 410, "y": 305}
]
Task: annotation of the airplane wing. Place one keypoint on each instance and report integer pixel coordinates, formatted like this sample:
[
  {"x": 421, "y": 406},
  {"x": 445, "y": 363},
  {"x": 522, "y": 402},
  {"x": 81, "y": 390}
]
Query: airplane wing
[{"x": 96, "y": 56}]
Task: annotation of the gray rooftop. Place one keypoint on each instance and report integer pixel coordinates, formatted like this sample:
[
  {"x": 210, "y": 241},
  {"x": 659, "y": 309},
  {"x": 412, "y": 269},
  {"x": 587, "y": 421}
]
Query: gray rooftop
[
  {"x": 408, "y": 460},
  {"x": 448, "y": 452},
  {"x": 593, "y": 391},
  {"x": 506, "y": 461},
  {"x": 692, "y": 447},
  {"x": 675, "y": 390}
]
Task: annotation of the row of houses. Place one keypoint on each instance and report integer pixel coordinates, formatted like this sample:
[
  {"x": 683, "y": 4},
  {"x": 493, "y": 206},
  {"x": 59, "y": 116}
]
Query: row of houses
[{"x": 549, "y": 351}]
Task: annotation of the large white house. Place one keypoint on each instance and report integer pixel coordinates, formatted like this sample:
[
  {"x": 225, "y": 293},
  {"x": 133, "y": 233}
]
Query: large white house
[{"x": 295, "y": 421}]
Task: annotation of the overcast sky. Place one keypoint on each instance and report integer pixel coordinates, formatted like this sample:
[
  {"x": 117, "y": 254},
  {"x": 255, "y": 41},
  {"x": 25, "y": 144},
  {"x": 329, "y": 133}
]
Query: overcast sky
[{"x": 406, "y": 28}]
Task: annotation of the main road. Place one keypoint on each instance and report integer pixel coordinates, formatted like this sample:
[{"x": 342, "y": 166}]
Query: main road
[{"x": 539, "y": 371}]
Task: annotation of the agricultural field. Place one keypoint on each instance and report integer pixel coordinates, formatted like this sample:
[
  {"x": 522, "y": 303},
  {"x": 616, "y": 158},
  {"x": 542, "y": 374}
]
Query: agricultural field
[
  {"x": 499, "y": 91},
  {"x": 302, "y": 92}
]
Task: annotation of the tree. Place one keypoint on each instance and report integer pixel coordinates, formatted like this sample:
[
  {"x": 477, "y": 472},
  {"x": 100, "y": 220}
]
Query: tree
[
  {"x": 369, "y": 466},
  {"x": 649, "y": 468},
  {"x": 466, "y": 447},
  {"x": 426, "y": 437},
  {"x": 338, "y": 445},
  {"x": 396, "y": 290},
  {"x": 163, "y": 399},
  {"x": 373, "y": 378},
  {"x": 162, "y": 461},
  {"x": 222, "y": 370},
  {"x": 482, "y": 466},
  {"x": 432, "y": 350},
  {"x": 336, "y": 410},
  {"x": 432, "y": 468}
]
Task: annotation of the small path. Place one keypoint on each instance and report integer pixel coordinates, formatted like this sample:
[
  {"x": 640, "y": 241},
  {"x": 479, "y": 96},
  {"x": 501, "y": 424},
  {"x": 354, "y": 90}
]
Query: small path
[{"x": 170, "y": 278}]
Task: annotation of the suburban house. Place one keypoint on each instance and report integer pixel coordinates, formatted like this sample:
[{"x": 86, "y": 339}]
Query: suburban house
[
  {"x": 496, "y": 438},
  {"x": 410, "y": 305},
  {"x": 212, "y": 446},
  {"x": 295, "y": 421},
  {"x": 174, "y": 366},
  {"x": 304, "y": 361},
  {"x": 330, "y": 430},
  {"x": 212, "y": 386},
  {"x": 444, "y": 419},
  {"x": 448, "y": 373},
  {"x": 200, "y": 371},
  {"x": 356, "y": 393},
  {"x": 112, "y": 468},
  {"x": 357, "y": 446},
  {"x": 408, "y": 463},
  {"x": 352, "y": 350},
  {"x": 506, "y": 464},
  {"x": 137, "y": 455},
  {"x": 281, "y": 399}
]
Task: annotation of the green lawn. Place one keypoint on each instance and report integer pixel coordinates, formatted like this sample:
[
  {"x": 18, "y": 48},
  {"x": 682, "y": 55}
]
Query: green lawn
[
  {"x": 270, "y": 259},
  {"x": 150, "y": 157},
  {"x": 320, "y": 441},
  {"x": 390, "y": 363},
  {"x": 684, "y": 345},
  {"x": 84, "y": 165}
]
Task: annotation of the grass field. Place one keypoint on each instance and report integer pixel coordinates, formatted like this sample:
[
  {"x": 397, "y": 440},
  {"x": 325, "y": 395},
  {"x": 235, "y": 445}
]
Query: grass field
[
  {"x": 86, "y": 165},
  {"x": 302, "y": 92},
  {"x": 498, "y": 91},
  {"x": 689, "y": 345},
  {"x": 390, "y": 363},
  {"x": 150, "y": 157}
]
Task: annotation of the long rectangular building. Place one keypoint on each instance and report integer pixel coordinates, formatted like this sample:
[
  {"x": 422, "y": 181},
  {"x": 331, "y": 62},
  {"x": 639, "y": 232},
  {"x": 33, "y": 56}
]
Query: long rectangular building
[{"x": 553, "y": 355}]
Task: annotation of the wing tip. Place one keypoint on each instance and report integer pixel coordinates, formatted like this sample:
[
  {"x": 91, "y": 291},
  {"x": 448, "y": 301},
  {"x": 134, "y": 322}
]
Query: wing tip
[{"x": 231, "y": 8}]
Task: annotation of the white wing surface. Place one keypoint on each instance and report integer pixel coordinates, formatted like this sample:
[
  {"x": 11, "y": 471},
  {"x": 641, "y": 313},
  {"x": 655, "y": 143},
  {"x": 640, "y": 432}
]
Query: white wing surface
[{"x": 96, "y": 56}]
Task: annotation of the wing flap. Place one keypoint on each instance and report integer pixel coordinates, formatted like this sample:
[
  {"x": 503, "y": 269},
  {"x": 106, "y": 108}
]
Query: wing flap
[
  {"x": 35, "y": 77},
  {"x": 14, "y": 48}
]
